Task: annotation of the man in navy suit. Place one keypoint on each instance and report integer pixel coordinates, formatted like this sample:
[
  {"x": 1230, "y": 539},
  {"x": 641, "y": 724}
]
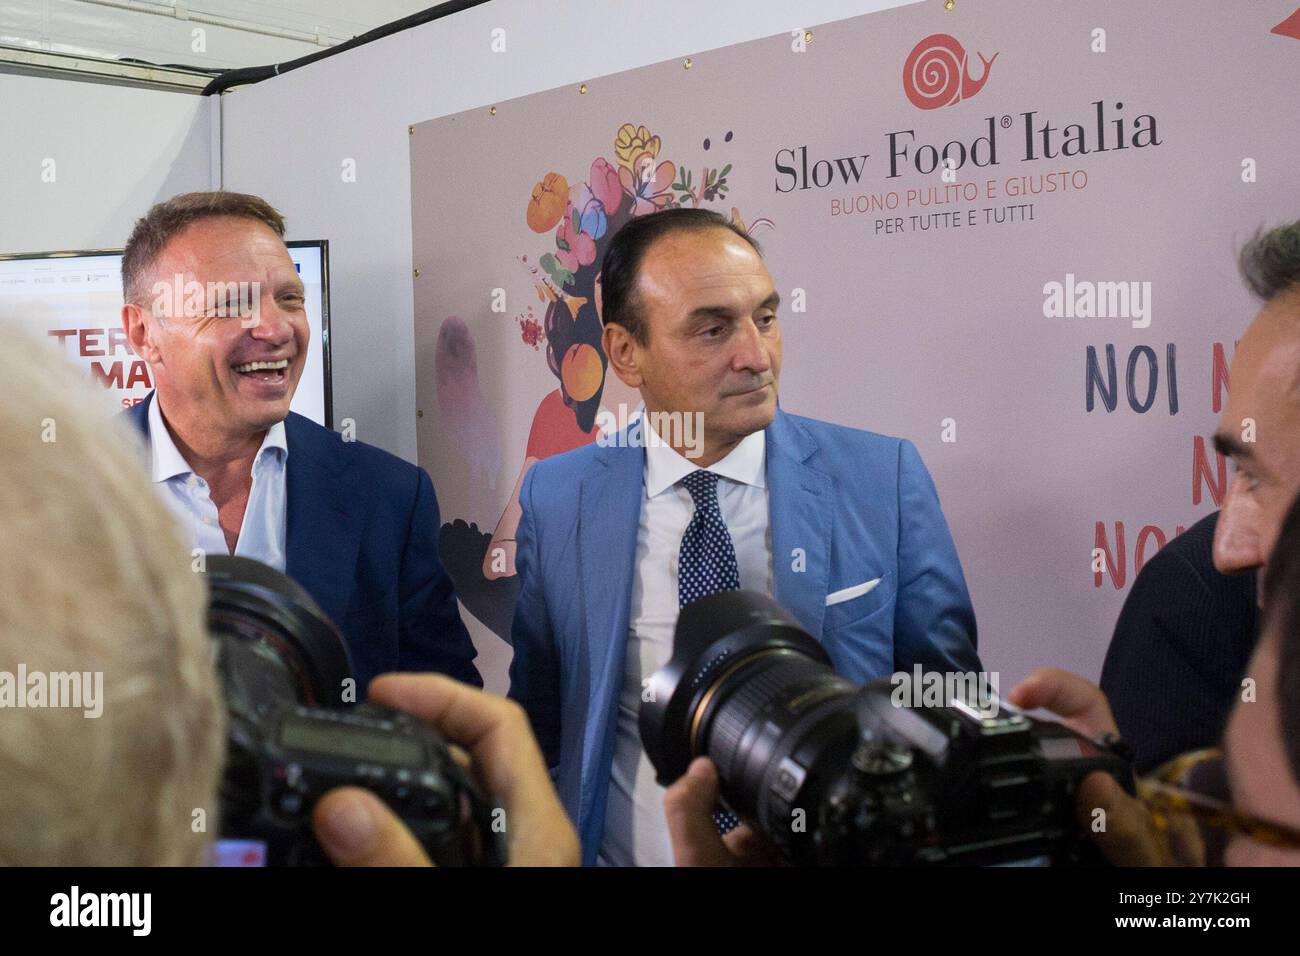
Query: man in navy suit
[
  {"x": 215, "y": 307},
  {"x": 843, "y": 527}
]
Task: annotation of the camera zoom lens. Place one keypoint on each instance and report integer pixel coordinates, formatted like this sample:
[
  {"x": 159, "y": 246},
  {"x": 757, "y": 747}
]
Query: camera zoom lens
[
  {"x": 758, "y": 717},
  {"x": 748, "y": 688}
]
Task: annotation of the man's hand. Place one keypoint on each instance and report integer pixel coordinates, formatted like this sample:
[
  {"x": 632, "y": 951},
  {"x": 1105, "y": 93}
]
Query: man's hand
[
  {"x": 689, "y": 804},
  {"x": 1079, "y": 702},
  {"x": 1129, "y": 837},
  {"x": 356, "y": 828}
]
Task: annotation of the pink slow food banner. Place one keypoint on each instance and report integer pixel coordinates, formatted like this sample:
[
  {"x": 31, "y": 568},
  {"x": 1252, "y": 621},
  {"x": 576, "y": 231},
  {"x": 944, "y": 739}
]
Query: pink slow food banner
[{"x": 1006, "y": 232}]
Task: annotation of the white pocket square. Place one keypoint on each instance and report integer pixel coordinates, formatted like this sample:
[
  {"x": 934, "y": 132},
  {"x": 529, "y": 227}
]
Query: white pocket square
[{"x": 848, "y": 594}]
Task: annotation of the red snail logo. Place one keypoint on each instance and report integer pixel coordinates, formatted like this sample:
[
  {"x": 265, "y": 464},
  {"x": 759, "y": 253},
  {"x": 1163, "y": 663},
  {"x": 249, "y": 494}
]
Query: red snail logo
[
  {"x": 1290, "y": 27},
  {"x": 937, "y": 73}
]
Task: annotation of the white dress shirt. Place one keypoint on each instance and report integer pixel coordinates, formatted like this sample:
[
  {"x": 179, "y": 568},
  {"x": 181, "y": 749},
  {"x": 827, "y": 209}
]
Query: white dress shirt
[
  {"x": 636, "y": 833},
  {"x": 262, "y": 534}
]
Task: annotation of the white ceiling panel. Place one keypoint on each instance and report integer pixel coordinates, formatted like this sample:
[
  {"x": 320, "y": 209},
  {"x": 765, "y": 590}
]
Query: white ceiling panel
[{"x": 209, "y": 34}]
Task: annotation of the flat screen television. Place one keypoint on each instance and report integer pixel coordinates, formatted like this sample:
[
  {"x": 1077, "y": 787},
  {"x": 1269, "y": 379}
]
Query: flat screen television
[{"x": 75, "y": 298}]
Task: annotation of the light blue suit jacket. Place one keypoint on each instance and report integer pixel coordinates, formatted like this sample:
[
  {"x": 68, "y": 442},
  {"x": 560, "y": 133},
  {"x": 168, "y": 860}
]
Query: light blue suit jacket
[{"x": 845, "y": 506}]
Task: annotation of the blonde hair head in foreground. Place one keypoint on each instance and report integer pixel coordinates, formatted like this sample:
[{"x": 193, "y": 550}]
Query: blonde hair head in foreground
[{"x": 96, "y": 579}]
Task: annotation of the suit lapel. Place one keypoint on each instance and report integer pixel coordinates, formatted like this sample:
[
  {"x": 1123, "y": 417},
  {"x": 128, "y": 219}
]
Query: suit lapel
[
  {"x": 323, "y": 525},
  {"x": 139, "y": 415},
  {"x": 609, "y": 512},
  {"x": 323, "y": 528},
  {"x": 608, "y": 516},
  {"x": 802, "y": 516}
]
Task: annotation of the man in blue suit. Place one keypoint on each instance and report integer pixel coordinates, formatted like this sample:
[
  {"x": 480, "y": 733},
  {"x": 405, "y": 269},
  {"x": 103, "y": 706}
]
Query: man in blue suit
[
  {"x": 843, "y": 527},
  {"x": 214, "y": 305}
]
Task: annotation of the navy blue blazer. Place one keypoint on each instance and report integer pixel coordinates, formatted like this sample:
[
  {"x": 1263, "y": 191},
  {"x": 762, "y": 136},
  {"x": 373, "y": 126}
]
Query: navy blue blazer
[
  {"x": 362, "y": 538},
  {"x": 1181, "y": 647},
  {"x": 846, "y": 507}
]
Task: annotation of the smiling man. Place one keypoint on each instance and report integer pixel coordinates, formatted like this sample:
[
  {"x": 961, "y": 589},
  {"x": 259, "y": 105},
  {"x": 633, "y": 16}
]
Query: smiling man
[
  {"x": 841, "y": 526},
  {"x": 214, "y": 305}
]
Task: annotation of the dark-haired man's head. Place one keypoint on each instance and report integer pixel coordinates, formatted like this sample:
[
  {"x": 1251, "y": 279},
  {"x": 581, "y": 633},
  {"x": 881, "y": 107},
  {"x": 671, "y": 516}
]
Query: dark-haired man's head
[
  {"x": 1262, "y": 741},
  {"x": 214, "y": 305},
  {"x": 690, "y": 316},
  {"x": 1260, "y": 425}
]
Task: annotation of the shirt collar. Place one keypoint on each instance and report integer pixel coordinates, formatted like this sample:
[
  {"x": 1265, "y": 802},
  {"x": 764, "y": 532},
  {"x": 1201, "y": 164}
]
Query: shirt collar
[
  {"x": 746, "y": 464},
  {"x": 168, "y": 462}
]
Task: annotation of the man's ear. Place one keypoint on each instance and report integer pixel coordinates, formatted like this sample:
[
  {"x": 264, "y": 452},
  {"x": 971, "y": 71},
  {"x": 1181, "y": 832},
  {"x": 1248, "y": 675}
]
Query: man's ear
[
  {"x": 622, "y": 351},
  {"x": 135, "y": 321}
]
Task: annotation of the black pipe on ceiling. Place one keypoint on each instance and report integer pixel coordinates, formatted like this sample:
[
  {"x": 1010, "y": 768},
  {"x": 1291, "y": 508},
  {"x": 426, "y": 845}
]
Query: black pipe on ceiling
[{"x": 254, "y": 74}]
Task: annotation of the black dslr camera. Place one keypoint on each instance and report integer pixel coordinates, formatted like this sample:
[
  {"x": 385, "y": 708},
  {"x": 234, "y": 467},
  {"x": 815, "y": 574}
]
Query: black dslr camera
[
  {"x": 833, "y": 774},
  {"x": 292, "y": 737}
]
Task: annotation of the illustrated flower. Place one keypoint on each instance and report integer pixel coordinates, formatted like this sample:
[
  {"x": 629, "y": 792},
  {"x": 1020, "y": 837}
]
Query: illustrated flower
[
  {"x": 632, "y": 143},
  {"x": 548, "y": 202},
  {"x": 591, "y": 211},
  {"x": 605, "y": 186},
  {"x": 576, "y": 247},
  {"x": 531, "y": 332},
  {"x": 650, "y": 186}
]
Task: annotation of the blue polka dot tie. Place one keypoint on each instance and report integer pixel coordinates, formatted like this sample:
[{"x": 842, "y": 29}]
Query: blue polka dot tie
[{"x": 707, "y": 565}]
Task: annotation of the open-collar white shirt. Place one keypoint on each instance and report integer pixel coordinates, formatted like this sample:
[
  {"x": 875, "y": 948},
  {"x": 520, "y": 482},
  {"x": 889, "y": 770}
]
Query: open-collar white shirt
[{"x": 262, "y": 535}]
